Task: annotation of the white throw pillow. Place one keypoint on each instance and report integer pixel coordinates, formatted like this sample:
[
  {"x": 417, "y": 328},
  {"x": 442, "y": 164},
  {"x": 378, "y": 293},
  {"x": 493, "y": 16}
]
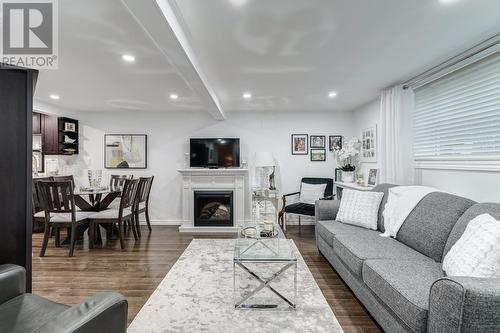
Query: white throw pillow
[
  {"x": 309, "y": 193},
  {"x": 477, "y": 252},
  {"x": 360, "y": 208}
]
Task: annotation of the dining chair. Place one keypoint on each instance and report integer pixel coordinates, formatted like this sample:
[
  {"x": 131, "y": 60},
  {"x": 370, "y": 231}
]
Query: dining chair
[
  {"x": 65, "y": 179},
  {"x": 60, "y": 212},
  {"x": 142, "y": 205},
  {"x": 120, "y": 216},
  {"x": 119, "y": 180},
  {"x": 36, "y": 204}
]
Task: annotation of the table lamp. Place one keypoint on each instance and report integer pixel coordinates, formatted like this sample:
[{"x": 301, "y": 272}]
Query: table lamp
[{"x": 266, "y": 160}]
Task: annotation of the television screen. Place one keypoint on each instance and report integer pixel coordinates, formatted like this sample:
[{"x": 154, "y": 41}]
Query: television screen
[{"x": 214, "y": 153}]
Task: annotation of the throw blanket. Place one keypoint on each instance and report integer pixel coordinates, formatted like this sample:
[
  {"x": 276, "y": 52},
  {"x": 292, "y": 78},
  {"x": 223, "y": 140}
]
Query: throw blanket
[{"x": 400, "y": 203}]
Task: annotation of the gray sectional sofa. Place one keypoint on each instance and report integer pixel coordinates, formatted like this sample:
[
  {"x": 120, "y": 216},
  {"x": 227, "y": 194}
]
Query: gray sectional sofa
[{"x": 400, "y": 281}]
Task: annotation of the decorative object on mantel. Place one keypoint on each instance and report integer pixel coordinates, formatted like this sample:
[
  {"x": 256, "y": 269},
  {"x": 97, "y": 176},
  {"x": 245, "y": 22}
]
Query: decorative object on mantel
[
  {"x": 347, "y": 157},
  {"x": 318, "y": 155},
  {"x": 299, "y": 144},
  {"x": 372, "y": 177},
  {"x": 369, "y": 144},
  {"x": 263, "y": 161},
  {"x": 125, "y": 151},
  {"x": 335, "y": 142},
  {"x": 317, "y": 141}
]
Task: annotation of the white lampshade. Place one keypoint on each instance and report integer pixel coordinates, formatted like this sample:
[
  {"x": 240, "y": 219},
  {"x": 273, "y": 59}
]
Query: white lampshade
[{"x": 264, "y": 159}]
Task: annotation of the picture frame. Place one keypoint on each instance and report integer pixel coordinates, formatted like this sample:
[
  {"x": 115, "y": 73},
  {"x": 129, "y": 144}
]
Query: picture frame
[
  {"x": 125, "y": 151},
  {"x": 318, "y": 154},
  {"x": 299, "y": 144},
  {"x": 69, "y": 127},
  {"x": 335, "y": 142},
  {"x": 317, "y": 141},
  {"x": 369, "y": 144},
  {"x": 372, "y": 178}
]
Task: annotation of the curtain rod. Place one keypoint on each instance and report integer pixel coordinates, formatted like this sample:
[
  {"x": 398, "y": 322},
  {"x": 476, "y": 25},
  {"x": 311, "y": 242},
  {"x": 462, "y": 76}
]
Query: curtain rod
[{"x": 478, "y": 52}]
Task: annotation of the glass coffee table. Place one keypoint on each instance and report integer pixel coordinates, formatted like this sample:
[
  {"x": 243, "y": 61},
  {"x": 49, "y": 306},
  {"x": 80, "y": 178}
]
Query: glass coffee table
[{"x": 264, "y": 255}]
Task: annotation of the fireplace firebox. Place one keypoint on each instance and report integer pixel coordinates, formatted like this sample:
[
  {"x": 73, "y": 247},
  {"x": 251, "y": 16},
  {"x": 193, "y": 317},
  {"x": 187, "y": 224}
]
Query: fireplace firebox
[{"x": 213, "y": 208}]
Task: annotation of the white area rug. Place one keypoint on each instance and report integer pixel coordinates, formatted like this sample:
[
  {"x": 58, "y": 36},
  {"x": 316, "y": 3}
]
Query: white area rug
[{"x": 197, "y": 296}]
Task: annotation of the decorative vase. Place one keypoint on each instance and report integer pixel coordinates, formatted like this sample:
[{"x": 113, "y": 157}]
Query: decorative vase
[{"x": 348, "y": 176}]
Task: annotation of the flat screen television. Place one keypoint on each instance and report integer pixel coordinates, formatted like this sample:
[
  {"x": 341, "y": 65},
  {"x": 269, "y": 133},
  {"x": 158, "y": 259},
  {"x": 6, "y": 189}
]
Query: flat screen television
[{"x": 214, "y": 153}]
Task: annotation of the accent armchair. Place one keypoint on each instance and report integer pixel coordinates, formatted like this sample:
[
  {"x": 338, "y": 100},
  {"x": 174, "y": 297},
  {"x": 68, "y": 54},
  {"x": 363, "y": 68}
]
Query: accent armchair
[
  {"x": 304, "y": 209},
  {"x": 23, "y": 312}
]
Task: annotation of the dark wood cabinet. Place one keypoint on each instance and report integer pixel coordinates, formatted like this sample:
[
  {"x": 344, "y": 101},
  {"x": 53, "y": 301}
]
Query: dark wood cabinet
[
  {"x": 50, "y": 138},
  {"x": 37, "y": 123},
  {"x": 16, "y": 105}
]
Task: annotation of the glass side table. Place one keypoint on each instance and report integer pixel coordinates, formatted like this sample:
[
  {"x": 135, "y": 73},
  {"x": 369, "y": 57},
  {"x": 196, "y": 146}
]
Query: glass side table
[
  {"x": 265, "y": 204},
  {"x": 265, "y": 256}
]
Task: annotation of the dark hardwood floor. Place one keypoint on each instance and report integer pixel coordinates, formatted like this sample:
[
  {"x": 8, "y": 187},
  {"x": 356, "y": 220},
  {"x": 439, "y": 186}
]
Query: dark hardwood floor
[{"x": 137, "y": 271}]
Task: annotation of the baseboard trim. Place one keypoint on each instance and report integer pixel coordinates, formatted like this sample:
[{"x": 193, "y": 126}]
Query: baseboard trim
[{"x": 162, "y": 222}]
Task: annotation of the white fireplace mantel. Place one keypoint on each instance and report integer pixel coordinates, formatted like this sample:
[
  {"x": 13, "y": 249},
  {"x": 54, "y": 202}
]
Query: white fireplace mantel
[{"x": 201, "y": 179}]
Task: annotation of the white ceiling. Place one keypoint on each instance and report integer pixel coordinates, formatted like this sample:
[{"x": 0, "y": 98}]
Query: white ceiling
[{"x": 288, "y": 53}]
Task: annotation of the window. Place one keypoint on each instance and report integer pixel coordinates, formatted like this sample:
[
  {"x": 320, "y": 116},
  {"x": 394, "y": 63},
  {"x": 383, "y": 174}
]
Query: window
[{"x": 457, "y": 117}]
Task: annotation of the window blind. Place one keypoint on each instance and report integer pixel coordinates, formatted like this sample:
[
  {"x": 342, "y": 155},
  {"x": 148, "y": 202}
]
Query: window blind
[{"x": 457, "y": 117}]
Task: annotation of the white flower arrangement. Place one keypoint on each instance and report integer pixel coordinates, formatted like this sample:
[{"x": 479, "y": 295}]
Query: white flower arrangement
[{"x": 348, "y": 154}]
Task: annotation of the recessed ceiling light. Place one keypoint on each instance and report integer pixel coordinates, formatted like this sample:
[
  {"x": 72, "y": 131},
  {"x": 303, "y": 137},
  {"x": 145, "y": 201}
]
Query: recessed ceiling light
[
  {"x": 128, "y": 58},
  {"x": 332, "y": 94},
  {"x": 174, "y": 96},
  {"x": 247, "y": 95},
  {"x": 53, "y": 96}
]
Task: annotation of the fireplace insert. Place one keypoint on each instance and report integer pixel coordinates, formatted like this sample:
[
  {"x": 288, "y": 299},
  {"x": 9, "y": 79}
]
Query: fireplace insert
[{"x": 213, "y": 208}]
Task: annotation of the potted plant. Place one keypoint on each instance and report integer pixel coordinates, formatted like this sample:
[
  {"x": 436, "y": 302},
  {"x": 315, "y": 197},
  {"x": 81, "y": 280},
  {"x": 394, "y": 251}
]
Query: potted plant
[{"x": 347, "y": 157}]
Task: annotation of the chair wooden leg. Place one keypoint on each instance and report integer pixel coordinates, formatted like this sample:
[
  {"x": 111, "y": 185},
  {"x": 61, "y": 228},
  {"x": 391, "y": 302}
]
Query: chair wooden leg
[
  {"x": 120, "y": 235},
  {"x": 57, "y": 236},
  {"x": 45, "y": 241},
  {"x": 137, "y": 226},
  {"x": 132, "y": 226},
  {"x": 91, "y": 234},
  {"x": 300, "y": 225},
  {"x": 147, "y": 218},
  {"x": 73, "y": 241}
]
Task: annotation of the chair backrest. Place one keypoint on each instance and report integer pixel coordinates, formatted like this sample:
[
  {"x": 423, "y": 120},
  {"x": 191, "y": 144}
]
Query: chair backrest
[
  {"x": 119, "y": 180},
  {"x": 144, "y": 189},
  {"x": 65, "y": 179},
  {"x": 129, "y": 194},
  {"x": 327, "y": 181},
  {"x": 37, "y": 195},
  {"x": 57, "y": 197}
]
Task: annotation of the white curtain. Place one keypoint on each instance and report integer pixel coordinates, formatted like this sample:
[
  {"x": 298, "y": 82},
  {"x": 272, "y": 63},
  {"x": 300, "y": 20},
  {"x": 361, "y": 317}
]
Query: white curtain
[{"x": 396, "y": 136}]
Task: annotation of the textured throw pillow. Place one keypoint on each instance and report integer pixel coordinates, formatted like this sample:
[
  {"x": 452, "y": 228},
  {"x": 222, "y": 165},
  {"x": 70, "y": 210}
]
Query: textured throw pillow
[
  {"x": 477, "y": 252},
  {"x": 360, "y": 208},
  {"x": 309, "y": 193}
]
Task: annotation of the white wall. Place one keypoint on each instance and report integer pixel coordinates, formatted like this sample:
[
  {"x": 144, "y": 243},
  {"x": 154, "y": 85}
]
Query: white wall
[
  {"x": 481, "y": 186},
  {"x": 168, "y": 138},
  {"x": 364, "y": 117}
]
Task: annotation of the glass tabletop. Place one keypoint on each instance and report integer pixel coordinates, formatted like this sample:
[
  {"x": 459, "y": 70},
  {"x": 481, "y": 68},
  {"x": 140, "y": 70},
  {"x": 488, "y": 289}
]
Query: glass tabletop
[
  {"x": 263, "y": 242},
  {"x": 85, "y": 190}
]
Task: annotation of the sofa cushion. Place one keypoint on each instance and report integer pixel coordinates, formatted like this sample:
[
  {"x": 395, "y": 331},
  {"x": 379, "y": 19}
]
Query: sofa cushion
[
  {"x": 385, "y": 189},
  {"x": 404, "y": 286},
  {"x": 428, "y": 226},
  {"x": 26, "y": 312},
  {"x": 481, "y": 208},
  {"x": 354, "y": 249},
  {"x": 327, "y": 229}
]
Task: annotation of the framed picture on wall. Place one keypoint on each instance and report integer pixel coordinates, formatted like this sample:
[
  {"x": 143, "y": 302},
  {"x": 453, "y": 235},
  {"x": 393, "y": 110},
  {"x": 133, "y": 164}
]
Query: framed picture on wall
[
  {"x": 299, "y": 144},
  {"x": 318, "y": 155},
  {"x": 369, "y": 144},
  {"x": 372, "y": 179},
  {"x": 317, "y": 141},
  {"x": 125, "y": 151},
  {"x": 335, "y": 142}
]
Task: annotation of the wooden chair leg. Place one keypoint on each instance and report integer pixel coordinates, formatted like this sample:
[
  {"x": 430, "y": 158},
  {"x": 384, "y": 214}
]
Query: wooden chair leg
[
  {"x": 120, "y": 235},
  {"x": 46, "y": 236},
  {"x": 132, "y": 226},
  {"x": 91, "y": 234},
  {"x": 137, "y": 226},
  {"x": 300, "y": 225},
  {"x": 146, "y": 212},
  {"x": 72, "y": 241},
  {"x": 57, "y": 236}
]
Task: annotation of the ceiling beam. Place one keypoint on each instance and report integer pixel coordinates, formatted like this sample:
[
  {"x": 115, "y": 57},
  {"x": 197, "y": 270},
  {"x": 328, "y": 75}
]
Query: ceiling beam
[{"x": 159, "y": 19}]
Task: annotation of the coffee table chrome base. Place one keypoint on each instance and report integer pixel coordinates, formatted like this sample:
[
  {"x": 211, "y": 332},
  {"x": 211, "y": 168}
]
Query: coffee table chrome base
[{"x": 265, "y": 283}]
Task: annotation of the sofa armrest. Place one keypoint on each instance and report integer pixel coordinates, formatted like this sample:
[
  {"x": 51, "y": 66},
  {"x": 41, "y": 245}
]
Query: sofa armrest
[
  {"x": 326, "y": 209},
  {"x": 12, "y": 282},
  {"x": 464, "y": 304},
  {"x": 103, "y": 312}
]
